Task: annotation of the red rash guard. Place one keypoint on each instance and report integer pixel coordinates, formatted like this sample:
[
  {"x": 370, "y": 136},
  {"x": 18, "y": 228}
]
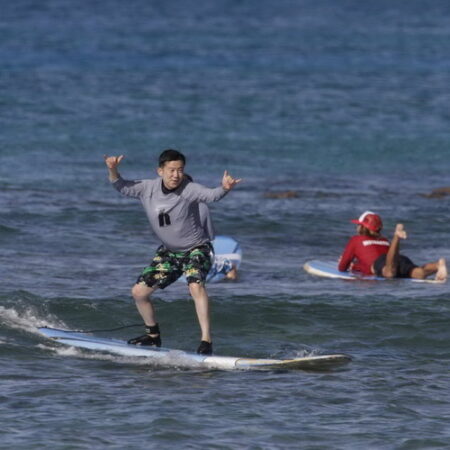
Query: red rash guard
[{"x": 361, "y": 252}]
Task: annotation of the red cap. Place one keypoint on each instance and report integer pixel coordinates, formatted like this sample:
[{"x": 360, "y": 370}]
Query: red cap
[{"x": 369, "y": 220}]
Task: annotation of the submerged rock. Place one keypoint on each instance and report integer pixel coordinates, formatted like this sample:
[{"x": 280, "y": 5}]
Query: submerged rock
[
  {"x": 283, "y": 194},
  {"x": 439, "y": 192}
]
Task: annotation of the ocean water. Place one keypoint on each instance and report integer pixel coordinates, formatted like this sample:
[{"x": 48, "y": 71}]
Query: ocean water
[{"x": 343, "y": 103}]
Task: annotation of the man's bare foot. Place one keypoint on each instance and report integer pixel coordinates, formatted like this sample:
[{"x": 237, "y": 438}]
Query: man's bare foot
[
  {"x": 441, "y": 274},
  {"x": 400, "y": 231}
]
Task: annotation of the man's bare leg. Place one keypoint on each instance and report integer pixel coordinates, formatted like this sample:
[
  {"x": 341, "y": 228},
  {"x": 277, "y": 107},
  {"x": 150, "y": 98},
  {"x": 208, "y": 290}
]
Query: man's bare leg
[
  {"x": 439, "y": 268},
  {"x": 201, "y": 301},
  {"x": 424, "y": 271},
  {"x": 390, "y": 267},
  {"x": 141, "y": 294}
]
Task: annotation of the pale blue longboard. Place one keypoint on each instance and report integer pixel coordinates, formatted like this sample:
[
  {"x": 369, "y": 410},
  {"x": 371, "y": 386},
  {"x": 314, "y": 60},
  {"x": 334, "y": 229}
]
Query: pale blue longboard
[
  {"x": 178, "y": 358},
  {"x": 227, "y": 251},
  {"x": 328, "y": 269}
]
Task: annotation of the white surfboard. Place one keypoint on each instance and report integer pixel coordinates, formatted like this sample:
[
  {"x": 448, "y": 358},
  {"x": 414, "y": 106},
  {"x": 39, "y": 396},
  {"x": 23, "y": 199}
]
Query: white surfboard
[
  {"x": 227, "y": 252},
  {"x": 179, "y": 358},
  {"x": 328, "y": 269}
]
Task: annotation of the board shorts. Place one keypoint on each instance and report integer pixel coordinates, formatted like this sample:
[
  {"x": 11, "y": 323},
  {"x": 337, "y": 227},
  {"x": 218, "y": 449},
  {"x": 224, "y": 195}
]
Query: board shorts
[
  {"x": 404, "y": 266},
  {"x": 166, "y": 266}
]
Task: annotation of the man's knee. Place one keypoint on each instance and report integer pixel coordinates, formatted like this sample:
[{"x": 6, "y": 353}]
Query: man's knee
[
  {"x": 196, "y": 287},
  {"x": 418, "y": 273},
  {"x": 388, "y": 272},
  {"x": 140, "y": 291}
]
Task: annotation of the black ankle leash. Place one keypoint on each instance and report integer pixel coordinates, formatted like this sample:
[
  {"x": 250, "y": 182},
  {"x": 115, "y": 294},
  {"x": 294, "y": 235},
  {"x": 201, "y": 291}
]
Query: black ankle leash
[
  {"x": 108, "y": 329},
  {"x": 153, "y": 329}
]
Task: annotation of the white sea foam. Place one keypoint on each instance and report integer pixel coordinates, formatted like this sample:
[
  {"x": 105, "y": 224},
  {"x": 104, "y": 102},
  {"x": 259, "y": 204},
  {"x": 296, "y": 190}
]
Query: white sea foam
[
  {"x": 174, "y": 359},
  {"x": 27, "y": 320}
]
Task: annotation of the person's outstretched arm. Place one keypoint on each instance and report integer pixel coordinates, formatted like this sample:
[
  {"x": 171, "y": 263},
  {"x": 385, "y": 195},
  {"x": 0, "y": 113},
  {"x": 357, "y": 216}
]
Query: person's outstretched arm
[
  {"x": 129, "y": 188},
  {"x": 203, "y": 194},
  {"x": 112, "y": 163}
]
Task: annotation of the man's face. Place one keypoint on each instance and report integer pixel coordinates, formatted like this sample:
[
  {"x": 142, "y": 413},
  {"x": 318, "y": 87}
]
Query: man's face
[{"x": 172, "y": 174}]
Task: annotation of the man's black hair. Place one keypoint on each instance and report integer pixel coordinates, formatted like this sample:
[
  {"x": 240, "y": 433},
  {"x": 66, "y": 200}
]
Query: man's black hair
[{"x": 171, "y": 155}]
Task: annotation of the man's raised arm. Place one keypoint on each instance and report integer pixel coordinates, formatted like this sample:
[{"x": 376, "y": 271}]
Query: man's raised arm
[{"x": 111, "y": 163}]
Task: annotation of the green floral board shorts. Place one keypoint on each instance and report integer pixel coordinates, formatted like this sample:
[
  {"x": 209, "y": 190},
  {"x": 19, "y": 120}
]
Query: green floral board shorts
[{"x": 166, "y": 267}]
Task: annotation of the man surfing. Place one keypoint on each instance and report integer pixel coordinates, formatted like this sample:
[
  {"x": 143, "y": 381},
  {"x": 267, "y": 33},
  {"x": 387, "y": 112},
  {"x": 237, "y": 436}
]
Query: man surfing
[{"x": 171, "y": 203}]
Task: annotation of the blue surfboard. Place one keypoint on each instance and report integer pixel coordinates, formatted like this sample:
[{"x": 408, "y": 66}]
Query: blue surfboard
[
  {"x": 227, "y": 252},
  {"x": 328, "y": 269},
  {"x": 179, "y": 358}
]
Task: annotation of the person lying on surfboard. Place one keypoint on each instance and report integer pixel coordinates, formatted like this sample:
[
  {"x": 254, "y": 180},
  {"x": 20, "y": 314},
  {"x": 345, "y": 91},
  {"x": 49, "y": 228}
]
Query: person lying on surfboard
[
  {"x": 220, "y": 265},
  {"x": 395, "y": 265},
  {"x": 369, "y": 253},
  {"x": 171, "y": 204}
]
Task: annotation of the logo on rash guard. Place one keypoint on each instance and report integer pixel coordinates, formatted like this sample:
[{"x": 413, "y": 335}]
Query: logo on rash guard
[
  {"x": 164, "y": 219},
  {"x": 366, "y": 243}
]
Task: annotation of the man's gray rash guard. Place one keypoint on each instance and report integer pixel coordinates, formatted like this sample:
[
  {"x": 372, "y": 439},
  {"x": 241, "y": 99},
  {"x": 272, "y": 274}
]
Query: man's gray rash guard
[
  {"x": 173, "y": 216},
  {"x": 206, "y": 221}
]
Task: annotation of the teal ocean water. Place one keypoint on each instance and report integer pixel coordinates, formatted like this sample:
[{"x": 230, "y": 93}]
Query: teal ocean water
[{"x": 344, "y": 104}]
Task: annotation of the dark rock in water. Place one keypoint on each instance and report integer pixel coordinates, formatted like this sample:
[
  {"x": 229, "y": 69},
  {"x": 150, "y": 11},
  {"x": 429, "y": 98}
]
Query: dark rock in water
[
  {"x": 438, "y": 193},
  {"x": 283, "y": 194}
]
